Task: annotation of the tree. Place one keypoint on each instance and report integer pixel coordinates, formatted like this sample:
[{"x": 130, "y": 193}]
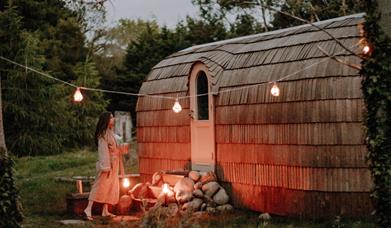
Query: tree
[
  {"x": 314, "y": 10},
  {"x": 10, "y": 209},
  {"x": 377, "y": 92},
  {"x": 33, "y": 105},
  {"x": 81, "y": 129}
]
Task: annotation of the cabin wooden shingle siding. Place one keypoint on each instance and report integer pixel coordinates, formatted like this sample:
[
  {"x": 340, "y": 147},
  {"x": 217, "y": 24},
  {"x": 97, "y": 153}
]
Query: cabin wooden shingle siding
[{"x": 299, "y": 154}]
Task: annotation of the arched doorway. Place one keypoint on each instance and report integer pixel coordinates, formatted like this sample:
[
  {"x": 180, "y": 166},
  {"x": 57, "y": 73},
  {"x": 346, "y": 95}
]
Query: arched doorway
[{"x": 202, "y": 121}]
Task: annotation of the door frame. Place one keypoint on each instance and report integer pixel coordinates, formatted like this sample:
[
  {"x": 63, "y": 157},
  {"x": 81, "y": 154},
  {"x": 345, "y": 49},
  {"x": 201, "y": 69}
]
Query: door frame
[{"x": 194, "y": 123}]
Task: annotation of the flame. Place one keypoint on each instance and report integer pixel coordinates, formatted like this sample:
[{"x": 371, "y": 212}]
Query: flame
[
  {"x": 177, "y": 107},
  {"x": 78, "y": 96},
  {"x": 165, "y": 190},
  {"x": 125, "y": 182}
]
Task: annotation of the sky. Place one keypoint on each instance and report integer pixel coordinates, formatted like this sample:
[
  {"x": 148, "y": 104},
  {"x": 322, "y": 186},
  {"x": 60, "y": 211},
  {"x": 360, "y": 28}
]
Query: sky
[{"x": 166, "y": 12}]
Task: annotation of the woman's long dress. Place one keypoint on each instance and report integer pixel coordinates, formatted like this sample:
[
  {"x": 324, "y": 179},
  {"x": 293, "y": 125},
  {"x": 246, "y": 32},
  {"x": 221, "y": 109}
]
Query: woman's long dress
[{"x": 106, "y": 186}]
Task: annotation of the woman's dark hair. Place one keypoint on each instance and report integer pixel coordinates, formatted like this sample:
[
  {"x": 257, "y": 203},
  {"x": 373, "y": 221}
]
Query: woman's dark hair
[{"x": 101, "y": 127}]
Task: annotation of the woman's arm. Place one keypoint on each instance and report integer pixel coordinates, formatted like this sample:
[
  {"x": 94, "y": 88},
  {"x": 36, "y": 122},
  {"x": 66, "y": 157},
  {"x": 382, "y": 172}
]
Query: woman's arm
[{"x": 104, "y": 155}]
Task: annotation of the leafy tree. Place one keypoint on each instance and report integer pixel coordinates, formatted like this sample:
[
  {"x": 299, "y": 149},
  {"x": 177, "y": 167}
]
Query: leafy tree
[
  {"x": 314, "y": 10},
  {"x": 377, "y": 92},
  {"x": 34, "y": 108},
  {"x": 10, "y": 208},
  {"x": 84, "y": 115}
]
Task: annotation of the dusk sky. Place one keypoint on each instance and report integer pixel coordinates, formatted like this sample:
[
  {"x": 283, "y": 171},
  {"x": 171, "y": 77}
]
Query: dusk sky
[{"x": 166, "y": 12}]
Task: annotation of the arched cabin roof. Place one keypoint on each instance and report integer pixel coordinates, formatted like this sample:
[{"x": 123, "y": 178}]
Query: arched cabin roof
[{"x": 262, "y": 58}]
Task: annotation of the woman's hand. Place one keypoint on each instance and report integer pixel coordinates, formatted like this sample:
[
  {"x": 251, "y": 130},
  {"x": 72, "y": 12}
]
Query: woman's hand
[
  {"x": 106, "y": 173},
  {"x": 124, "y": 148}
]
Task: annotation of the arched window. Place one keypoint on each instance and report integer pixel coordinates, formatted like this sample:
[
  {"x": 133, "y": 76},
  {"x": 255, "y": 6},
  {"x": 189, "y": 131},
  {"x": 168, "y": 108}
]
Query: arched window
[{"x": 202, "y": 101}]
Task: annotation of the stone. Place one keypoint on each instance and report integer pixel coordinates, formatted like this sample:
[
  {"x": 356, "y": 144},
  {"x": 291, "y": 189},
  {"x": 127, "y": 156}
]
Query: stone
[
  {"x": 221, "y": 197},
  {"x": 140, "y": 191},
  {"x": 193, "y": 205},
  {"x": 225, "y": 207},
  {"x": 184, "y": 185},
  {"x": 199, "y": 214},
  {"x": 72, "y": 222},
  {"x": 210, "y": 188},
  {"x": 183, "y": 197},
  {"x": 208, "y": 177},
  {"x": 198, "y": 185},
  {"x": 203, "y": 207},
  {"x": 264, "y": 217},
  {"x": 211, "y": 210},
  {"x": 194, "y": 175},
  {"x": 157, "y": 179},
  {"x": 124, "y": 204},
  {"x": 198, "y": 193}
]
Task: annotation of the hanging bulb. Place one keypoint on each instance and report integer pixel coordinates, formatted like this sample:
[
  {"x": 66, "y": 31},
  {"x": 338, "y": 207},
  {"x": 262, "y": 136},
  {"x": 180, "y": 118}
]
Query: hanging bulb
[
  {"x": 366, "y": 46},
  {"x": 366, "y": 49},
  {"x": 78, "y": 97},
  {"x": 177, "y": 107},
  {"x": 275, "y": 91},
  {"x": 125, "y": 182}
]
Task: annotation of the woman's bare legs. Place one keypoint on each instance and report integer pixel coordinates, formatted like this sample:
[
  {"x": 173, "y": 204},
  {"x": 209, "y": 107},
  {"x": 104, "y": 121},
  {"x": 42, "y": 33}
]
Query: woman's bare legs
[
  {"x": 105, "y": 211},
  {"x": 88, "y": 209}
]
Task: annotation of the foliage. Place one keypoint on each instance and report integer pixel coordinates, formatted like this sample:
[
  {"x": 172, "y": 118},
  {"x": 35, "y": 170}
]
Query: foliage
[
  {"x": 142, "y": 54},
  {"x": 377, "y": 94},
  {"x": 30, "y": 126},
  {"x": 84, "y": 114},
  {"x": 49, "y": 37},
  {"x": 314, "y": 10},
  {"x": 10, "y": 208}
]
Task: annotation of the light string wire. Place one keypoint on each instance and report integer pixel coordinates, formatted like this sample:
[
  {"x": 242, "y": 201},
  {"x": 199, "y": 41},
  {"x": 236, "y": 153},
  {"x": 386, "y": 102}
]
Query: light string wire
[{"x": 169, "y": 97}]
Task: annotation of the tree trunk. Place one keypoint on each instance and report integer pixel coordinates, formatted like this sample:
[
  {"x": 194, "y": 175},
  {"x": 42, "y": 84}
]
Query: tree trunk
[{"x": 2, "y": 138}]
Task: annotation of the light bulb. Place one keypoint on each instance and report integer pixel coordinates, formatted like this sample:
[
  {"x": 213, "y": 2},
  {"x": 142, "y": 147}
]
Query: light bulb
[
  {"x": 366, "y": 49},
  {"x": 125, "y": 182},
  {"x": 78, "y": 96},
  {"x": 177, "y": 107},
  {"x": 275, "y": 91}
]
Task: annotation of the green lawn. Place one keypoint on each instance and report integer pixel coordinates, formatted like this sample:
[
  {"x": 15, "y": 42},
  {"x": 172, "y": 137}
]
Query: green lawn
[{"x": 43, "y": 198}]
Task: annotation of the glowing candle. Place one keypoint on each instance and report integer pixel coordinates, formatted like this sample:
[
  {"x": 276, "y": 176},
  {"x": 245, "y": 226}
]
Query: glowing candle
[{"x": 125, "y": 182}]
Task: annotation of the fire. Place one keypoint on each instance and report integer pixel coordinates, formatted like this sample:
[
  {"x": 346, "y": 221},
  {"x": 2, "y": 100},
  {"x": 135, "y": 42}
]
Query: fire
[
  {"x": 165, "y": 190},
  {"x": 125, "y": 182}
]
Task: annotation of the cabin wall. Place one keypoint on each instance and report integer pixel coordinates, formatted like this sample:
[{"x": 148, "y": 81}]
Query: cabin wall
[
  {"x": 163, "y": 137},
  {"x": 300, "y": 154}
]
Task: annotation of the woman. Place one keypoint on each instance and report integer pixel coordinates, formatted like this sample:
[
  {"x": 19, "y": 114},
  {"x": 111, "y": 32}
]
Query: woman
[{"x": 106, "y": 186}]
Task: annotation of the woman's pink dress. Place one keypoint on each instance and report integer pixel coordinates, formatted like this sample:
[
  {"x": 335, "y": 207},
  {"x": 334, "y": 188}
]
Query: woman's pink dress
[{"x": 106, "y": 186}]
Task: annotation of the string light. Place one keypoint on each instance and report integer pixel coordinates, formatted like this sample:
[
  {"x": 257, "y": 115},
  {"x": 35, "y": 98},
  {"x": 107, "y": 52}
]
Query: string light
[
  {"x": 125, "y": 182},
  {"x": 275, "y": 91},
  {"x": 78, "y": 97},
  {"x": 177, "y": 107},
  {"x": 366, "y": 49}
]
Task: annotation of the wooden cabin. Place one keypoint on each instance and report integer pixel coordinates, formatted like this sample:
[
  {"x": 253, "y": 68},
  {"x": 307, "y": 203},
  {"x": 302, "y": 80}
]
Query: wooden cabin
[{"x": 300, "y": 154}]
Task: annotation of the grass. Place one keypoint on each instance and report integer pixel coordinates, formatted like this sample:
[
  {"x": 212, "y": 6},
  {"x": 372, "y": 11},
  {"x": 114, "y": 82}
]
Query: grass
[{"x": 43, "y": 198}]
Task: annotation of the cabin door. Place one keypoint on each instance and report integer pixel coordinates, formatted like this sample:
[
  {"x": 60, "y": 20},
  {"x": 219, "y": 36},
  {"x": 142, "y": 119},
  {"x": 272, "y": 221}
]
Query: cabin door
[{"x": 202, "y": 121}]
